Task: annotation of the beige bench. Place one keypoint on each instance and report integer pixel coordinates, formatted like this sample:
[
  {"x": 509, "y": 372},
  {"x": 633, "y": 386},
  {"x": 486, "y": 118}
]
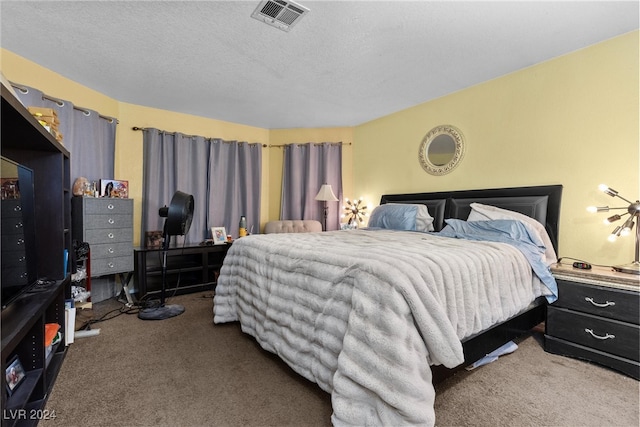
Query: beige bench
[{"x": 293, "y": 226}]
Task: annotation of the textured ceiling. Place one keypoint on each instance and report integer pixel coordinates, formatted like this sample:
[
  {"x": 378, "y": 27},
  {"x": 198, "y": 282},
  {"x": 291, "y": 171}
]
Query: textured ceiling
[{"x": 343, "y": 64}]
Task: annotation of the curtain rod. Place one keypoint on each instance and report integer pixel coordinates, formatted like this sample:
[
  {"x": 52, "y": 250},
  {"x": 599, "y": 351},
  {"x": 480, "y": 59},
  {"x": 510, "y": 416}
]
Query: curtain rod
[
  {"x": 315, "y": 143},
  {"x": 60, "y": 102},
  {"x": 185, "y": 135},
  {"x": 264, "y": 145}
]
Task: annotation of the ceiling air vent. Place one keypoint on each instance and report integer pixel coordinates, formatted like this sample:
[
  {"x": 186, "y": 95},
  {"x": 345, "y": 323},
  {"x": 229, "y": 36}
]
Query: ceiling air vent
[{"x": 279, "y": 13}]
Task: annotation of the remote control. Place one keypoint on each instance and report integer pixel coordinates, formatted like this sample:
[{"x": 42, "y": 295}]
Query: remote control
[{"x": 582, "y": 265}]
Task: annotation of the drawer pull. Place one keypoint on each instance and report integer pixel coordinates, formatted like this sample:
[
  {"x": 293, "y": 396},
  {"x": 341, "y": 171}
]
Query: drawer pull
[
  {"x": 110, "y": 265},
  {"x": 110, "y": 235},
  {"x": 17, "y": 208},
  {"x": 110, "y": 250},
  {"x": 599, "y": 337},
  {"x": 111, "y": 221},
  {"x": 110, "y": 206},
  {"x": 599, "y": 304}
]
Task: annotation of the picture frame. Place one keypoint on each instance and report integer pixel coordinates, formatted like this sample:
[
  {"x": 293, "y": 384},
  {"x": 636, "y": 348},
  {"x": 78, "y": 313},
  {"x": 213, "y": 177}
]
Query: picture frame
[
  {"x": 153, "y": 239},
  {"x": 219, "y": 235},
  {"x": 14, "y": 374},
  {"x": 114, "y": 188}
]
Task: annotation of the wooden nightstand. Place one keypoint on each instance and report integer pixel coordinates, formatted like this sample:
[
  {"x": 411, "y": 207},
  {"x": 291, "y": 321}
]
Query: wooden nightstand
[{"x": 596, "y": 317}]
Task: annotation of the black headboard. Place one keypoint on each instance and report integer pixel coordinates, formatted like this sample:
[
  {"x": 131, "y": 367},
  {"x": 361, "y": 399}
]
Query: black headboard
[{"x": 541, "y": 203}]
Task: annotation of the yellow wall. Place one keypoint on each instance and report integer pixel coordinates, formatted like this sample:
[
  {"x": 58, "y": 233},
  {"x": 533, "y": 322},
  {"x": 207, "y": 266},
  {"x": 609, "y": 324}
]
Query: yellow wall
[{"x": 571, "y": 121}]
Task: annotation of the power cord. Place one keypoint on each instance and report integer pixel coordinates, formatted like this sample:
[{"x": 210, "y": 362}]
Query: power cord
[{"x": 108, "y": 316}]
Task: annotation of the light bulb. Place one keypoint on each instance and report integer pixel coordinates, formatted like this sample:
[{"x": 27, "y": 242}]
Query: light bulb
[
  {"x": 593, "y": 209},
  {"x": 612, "y": 238},
  {"x": 605, "y": 189},
  {"x": 627, "y": 226}
]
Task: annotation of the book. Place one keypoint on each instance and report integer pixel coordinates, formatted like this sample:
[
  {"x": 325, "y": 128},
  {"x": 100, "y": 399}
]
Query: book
[
  {"x": 70, "y": 324},
  {"x": 50, "y": 331}
]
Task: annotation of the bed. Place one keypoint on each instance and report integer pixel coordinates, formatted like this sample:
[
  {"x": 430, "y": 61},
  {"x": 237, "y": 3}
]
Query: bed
[{"x": 377, "y": 316}]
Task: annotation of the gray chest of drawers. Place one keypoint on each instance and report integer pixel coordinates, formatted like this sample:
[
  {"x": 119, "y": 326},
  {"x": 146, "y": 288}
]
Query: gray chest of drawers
[
  {"x": 107, "y": 225},
  {"x": 596, "y": 318}
]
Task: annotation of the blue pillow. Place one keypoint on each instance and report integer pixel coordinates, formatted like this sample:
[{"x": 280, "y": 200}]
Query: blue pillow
[{"x": 401, "y": 216}]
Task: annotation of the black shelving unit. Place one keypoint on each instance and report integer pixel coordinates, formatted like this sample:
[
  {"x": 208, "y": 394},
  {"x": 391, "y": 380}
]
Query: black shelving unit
[
  {"x": 25, "y": 141},
  {"x": 189, "y": 269},
  {"x": 23, "y": 324}
]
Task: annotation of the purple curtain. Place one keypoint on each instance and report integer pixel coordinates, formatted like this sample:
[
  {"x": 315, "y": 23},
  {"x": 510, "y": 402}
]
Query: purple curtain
[
  {"x": 305, "y": 168},
  {"x": 89, "y": 137},
  {"x": 223, "y": 177}
]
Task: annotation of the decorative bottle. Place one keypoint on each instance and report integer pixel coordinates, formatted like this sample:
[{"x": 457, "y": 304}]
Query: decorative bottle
[{"x": 243, "y": 227}]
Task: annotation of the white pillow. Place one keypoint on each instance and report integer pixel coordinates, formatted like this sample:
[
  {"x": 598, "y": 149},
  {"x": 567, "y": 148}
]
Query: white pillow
[{"x": 480, "y": 212}]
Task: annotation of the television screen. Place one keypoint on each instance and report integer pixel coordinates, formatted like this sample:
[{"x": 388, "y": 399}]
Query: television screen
[{"x": 17, "y": 202}]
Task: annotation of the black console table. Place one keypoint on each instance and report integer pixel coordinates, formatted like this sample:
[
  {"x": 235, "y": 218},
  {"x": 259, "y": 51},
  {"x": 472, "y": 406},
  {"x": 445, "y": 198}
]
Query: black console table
[{"x": 189, "y": 269}]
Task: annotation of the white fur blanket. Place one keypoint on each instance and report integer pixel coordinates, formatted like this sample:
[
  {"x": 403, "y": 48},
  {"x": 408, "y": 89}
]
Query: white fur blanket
[{"x": 363, "y": 313}]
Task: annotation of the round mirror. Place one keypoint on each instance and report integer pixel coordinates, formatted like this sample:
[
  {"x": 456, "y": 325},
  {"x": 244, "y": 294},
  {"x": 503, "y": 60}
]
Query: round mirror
[{"x": 441, "y": 150}]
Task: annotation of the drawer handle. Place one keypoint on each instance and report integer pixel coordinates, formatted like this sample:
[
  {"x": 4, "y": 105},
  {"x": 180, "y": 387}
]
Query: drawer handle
[
  {"x": 110, "y": 265},
  {"x": 17, "y": 208},
  {"x": 110, "y": 235},
  {"x": 20, "y": 242},
  {"x": 599, "y": 304},
  {"x": 19, "y": 225},
  {"x": 110, "y": 206},
  {"x": 111, "y": 221},
  {"x": 110, "y": 250},
  {"x": 599, "y": 337}
]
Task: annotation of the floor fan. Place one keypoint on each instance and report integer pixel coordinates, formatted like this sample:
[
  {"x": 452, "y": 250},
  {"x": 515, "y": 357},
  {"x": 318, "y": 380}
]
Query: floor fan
[{"x": 177, "y": 222}]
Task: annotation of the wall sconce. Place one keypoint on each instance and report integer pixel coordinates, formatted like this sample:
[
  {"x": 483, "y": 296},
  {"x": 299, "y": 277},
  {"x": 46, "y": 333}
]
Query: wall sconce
[
  {"x": 355, "y": 211},
  {"x": 633, "y": 210}
]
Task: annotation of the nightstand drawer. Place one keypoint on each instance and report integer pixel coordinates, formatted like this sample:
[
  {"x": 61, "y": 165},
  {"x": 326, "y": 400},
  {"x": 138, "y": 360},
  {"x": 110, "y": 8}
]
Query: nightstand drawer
[
  {"x": 566, "y": 348},
  {"x": 612, "y": 303},
  {"x": 610, "y": 336}
]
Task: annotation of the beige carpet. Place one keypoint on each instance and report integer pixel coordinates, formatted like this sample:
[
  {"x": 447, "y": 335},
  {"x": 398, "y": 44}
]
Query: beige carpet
[{"x": 186, "y": 371}]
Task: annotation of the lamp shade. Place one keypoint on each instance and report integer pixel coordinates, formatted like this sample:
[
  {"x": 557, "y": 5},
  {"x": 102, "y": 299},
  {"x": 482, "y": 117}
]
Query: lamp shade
[{"x": 326, "y": 194}]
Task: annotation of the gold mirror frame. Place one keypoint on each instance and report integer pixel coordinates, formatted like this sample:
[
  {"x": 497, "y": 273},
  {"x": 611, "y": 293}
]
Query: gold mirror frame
[{"x": 423, "y": 152}]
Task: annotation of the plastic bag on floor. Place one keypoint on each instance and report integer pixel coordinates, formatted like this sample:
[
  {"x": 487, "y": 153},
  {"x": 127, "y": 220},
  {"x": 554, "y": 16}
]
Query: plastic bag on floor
[{"x": 509, "y": 347}]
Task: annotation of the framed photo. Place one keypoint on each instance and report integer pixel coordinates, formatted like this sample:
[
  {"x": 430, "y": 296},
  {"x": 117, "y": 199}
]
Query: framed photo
[
  {"x": 219, "y": 235},
  {"x": 14, "y": 374},
  {"x": 114, "y": 188},
  {"x": 153, "y": 239}
]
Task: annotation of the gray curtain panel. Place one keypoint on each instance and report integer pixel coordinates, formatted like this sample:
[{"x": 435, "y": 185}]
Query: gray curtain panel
[
  {"x": 90, "y": 139},
  {"x": 235, "y": 175},
  {"x": 223, "y": 177},
  {"x": 305, "y": 168}
]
